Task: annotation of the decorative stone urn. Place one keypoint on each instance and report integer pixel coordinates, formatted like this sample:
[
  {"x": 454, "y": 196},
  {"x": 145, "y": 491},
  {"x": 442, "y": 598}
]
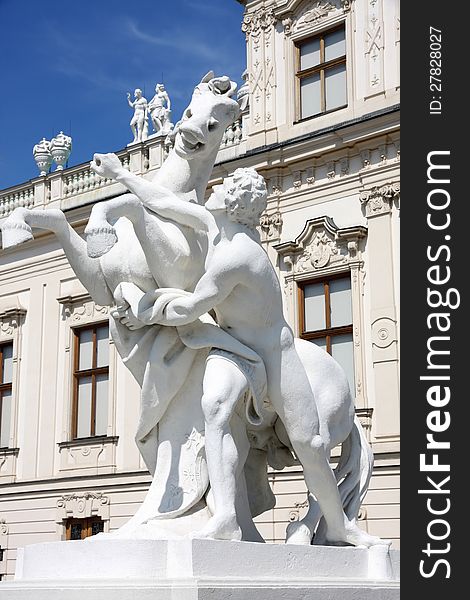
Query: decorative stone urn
[
  {"x": 42, "y": 156},
  {"x": 61, "y": 147}
]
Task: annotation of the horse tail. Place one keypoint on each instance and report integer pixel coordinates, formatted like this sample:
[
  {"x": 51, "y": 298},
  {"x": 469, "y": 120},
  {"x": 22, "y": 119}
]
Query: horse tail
[{"x": 354, "y": 470}]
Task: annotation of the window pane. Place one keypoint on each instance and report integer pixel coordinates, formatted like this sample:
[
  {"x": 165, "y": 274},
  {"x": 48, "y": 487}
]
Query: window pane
[
  {"x": 342, "y": 351},
  {"x": 85, "y": 359},
  {"x": 314, "y": 307},
  {"x": 310, "y": 96},
  {"x": 101, "y": 422},
  {"x": 340, "y": 302},
  {"x": 76, "y": 531},
  {"x": 335, "y": 45},
  {"x": 7, "y": 370},
  {"x": 102, "y": 343},
  {"x": 5, "y": 419},
  {"x": 97, "y": 527},
  {"x": 84, "y": 407},
  {"x": 310, "y": 54},
  {"x": 335, "y": 87},
  {"x": 321, "y": 342}
]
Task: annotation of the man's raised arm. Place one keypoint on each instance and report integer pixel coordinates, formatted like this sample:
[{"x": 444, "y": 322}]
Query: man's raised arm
[{"x": 153, "y": 196}]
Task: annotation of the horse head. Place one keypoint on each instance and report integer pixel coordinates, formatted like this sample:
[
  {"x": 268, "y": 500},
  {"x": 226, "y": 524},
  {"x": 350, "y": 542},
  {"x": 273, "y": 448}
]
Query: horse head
[{"x": 211, "y": 110}]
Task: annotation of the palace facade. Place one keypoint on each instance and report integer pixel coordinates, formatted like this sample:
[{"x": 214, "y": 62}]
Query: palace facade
[{"x": 321, "y": 124}]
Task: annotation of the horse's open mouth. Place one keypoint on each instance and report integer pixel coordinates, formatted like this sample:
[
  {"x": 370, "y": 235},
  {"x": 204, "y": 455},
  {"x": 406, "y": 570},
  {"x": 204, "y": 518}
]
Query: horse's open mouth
[{"x": 188, "y": 143}]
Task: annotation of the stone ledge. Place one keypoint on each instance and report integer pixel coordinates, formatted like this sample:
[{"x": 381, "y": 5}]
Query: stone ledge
[{"x": 109, "y": 568}]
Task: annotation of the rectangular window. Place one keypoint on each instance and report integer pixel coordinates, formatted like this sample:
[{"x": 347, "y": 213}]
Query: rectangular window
[
  {"x": 326, "y": 319},
  {"x": 6, "y": 376},
  {"x": 321, "y": 73},
  {"x": 91, "y": 373},
  {"x": 79, "y": 529}
]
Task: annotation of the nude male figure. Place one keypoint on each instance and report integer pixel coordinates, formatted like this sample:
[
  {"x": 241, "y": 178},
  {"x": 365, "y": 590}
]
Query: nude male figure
[
  {"x": 138, "y": 122},
  {"x": 241, "y": 286}
]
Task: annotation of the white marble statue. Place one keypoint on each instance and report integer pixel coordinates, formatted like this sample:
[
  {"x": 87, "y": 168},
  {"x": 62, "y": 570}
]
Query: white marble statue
[
  {"x": 160, "y": 111},
  {"x": 225, "y": 387},
  {"x": 139, "y": 121}
]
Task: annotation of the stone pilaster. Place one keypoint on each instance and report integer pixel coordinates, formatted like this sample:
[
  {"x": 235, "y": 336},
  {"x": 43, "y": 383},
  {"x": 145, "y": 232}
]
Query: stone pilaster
[
  {"x": 258, "y": 27},
  {"x": 378, "y": 203}
]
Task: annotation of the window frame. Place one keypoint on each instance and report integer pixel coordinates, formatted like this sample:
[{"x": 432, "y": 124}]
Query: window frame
[
  {"x": 320, "y": 68},
  {"x": 87, "y": 526},
  {"x": 328, "y": 332},
  {"x": 5, "y": 386},
  {"x": 78, "y": 374}
]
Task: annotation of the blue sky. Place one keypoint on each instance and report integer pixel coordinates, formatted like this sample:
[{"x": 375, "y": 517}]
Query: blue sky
[{"x": 68, "y": 65}]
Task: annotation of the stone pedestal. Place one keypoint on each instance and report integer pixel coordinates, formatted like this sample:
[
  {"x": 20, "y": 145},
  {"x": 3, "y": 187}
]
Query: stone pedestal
[{"x": 114, "y": 569}]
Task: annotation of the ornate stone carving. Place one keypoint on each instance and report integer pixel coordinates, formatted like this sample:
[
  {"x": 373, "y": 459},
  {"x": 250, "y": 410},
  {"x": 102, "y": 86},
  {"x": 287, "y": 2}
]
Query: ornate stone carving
[
  {"x": 319, "y": 253},
  {"x": 365, "y": 158},
  {"x": 330, "y": 170},
  {"x": 384, "y": 332},
  {"x": 321, "y": 244},
  {"x": 378, "y": 200},
  {"x": 3, "y": 527},
  {"x": 10, "y": 319},
  {"x": 383, "y": 153},
  {"x": 253, "y": 23},
  {"x": 82, "y": 505},
  {"x": 297, "y": 21},
  {"x": 310, "y": 176},
  {"x": 294, "y": 514},
  {"x": 271, "y": 226},
  {"x": 81, "y": 309},
  {"x": 374, "y": 45},
  {"x": 321, "y": 9},
  {"x": 297, "y": 179},
  {"x": 287, "y": 25},
  {"x": 365, "y": 417},
  {"x": 344, "y": 166}
]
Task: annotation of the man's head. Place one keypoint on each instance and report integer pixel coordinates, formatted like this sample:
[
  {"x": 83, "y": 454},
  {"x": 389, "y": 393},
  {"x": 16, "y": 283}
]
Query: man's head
[
  {"x": 137, "y": 93},
  {"x": 160, "y": 87},
  {"x": 244, "y": 196}
]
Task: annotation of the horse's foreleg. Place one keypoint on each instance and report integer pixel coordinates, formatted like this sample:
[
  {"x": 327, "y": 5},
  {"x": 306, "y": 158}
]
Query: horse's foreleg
[
  {"x": 17, "y": 228},
  {"x": 164, "y": 243},
  {"x": 100, "y": 233}
]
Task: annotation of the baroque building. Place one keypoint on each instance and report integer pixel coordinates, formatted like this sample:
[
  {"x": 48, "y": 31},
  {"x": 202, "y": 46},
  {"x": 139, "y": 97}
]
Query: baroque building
[{"x": 321, "y": 124}]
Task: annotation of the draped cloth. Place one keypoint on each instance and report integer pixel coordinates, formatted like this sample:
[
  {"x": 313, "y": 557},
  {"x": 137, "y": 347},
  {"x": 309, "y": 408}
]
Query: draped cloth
[{"x": 169, "y": 364}]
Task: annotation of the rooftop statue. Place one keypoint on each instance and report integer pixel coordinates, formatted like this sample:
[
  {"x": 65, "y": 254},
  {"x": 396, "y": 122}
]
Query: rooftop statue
[
  {"x": 160, "y": 111},
  {"x": 139, "y": 122}
]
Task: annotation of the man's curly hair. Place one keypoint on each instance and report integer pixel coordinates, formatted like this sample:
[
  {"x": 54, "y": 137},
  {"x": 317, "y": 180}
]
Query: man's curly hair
[{"x": 245, "y": 196}]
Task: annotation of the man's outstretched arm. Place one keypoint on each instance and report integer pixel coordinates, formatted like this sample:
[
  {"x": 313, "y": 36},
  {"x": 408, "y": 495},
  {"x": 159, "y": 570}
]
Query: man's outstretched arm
[{"x": 153, "y": 196}]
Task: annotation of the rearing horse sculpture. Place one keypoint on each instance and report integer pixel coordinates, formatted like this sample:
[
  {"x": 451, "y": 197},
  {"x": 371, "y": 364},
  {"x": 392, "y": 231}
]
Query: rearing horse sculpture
[{"x": 128, "y": 242}]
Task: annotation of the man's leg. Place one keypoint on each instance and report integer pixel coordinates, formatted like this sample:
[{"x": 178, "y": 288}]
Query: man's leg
[{"x": 223, "y": 386}]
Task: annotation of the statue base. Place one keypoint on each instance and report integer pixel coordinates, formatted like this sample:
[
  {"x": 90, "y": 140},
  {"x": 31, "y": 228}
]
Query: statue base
[{"x": 114, "y": 569}]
